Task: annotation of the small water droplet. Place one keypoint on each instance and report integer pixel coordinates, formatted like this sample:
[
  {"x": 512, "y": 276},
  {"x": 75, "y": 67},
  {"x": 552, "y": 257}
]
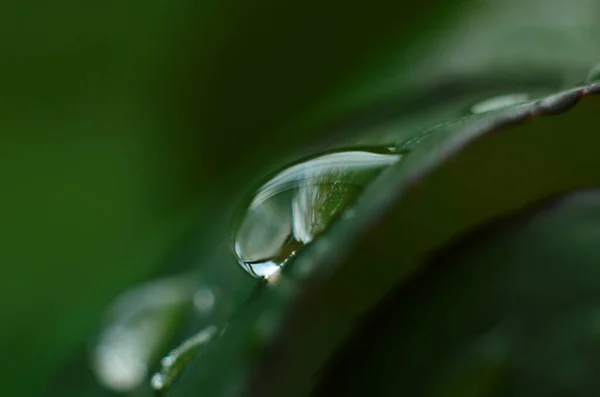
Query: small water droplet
[
  {"x": 138, "y": 323},
  {"x": 559, "y": 103},
  {"x": 499, "y": 102},
  {"x": 157, "y": 381},
  {"x": 594, "y": 75},
  {"x": 174, "y": 363},
  {"x": 167, "y": 361},
  {"x": 298, "y": 204}
]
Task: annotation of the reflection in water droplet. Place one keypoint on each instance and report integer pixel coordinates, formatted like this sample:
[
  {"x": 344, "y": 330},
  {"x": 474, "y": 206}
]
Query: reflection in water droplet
[
  {"x": 499, "y": 102},
  {"x": 594, "y": 75},
  {"x": 298, "y": 204},
  {"x": 138, "y": 324},
  {"x": 177, "y": 359}
]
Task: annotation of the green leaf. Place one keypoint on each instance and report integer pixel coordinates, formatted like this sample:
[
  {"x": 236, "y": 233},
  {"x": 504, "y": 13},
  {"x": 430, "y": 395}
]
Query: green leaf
[
  {"x": 232, "y": 90},
  {"x": 511, "y": 308},
  {"x": 457, "y": 177}
]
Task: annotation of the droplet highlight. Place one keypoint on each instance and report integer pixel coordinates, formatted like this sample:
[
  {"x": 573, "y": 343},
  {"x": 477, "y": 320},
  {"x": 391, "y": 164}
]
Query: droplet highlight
[
  {"x": 299, "y": 203},
  {"x": 175, "y": 362},
  {"x": 500, "y": 102}
]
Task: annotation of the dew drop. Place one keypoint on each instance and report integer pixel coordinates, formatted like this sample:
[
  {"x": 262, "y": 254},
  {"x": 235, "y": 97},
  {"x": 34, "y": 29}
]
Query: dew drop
[
  {"x": 558, "y": 103},
  {"x": 499, "y": 102},
  {"x": 157, "y": 381},
  {"x": 594, "y": 74},
  {"x": 137, "y": 326},
  {"x": 299, "y": 203},
  {"x": 174, "y": 363}
]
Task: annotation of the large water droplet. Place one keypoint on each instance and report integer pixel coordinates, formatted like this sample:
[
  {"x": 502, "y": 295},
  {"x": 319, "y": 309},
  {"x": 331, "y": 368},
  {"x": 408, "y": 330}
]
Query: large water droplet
[
  {"x": 177, "y": 359},
  {"x": 499, "y": 102},
  {"x": 138, "y": 324},
  {"x": 594, "y": 75},
  {"x": 298, "y": 204}
]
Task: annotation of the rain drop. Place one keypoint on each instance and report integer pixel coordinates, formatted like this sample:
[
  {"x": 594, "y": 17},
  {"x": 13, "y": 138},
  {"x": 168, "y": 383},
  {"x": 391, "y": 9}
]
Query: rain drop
[
  {"x": 499, "y": 102},
  {"x": 299, "y": 203}
]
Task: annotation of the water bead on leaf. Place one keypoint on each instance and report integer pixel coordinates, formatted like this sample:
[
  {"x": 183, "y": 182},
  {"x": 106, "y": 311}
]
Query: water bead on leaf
[
  {"x": 499, "y": 102},
  {"x": 299, "y": 203}
]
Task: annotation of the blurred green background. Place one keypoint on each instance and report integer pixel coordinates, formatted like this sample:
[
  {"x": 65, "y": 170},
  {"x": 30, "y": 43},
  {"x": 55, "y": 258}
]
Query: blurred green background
[
  {"x": 127, "y": 124},
  {"x": 124, "y": 124}
]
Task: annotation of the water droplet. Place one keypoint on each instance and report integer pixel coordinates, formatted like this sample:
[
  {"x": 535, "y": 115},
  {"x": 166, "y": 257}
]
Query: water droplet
[
  {"x": 499, "y": 102},
  {"x": 157, "y": 381},
  {"x": 594, "y": 75},
  {"x": 174, "y": 363},
  {"x": 298, "y": 204},
  {"x": 559, "y": 103},
  {"x": 138, "y": 324}
]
